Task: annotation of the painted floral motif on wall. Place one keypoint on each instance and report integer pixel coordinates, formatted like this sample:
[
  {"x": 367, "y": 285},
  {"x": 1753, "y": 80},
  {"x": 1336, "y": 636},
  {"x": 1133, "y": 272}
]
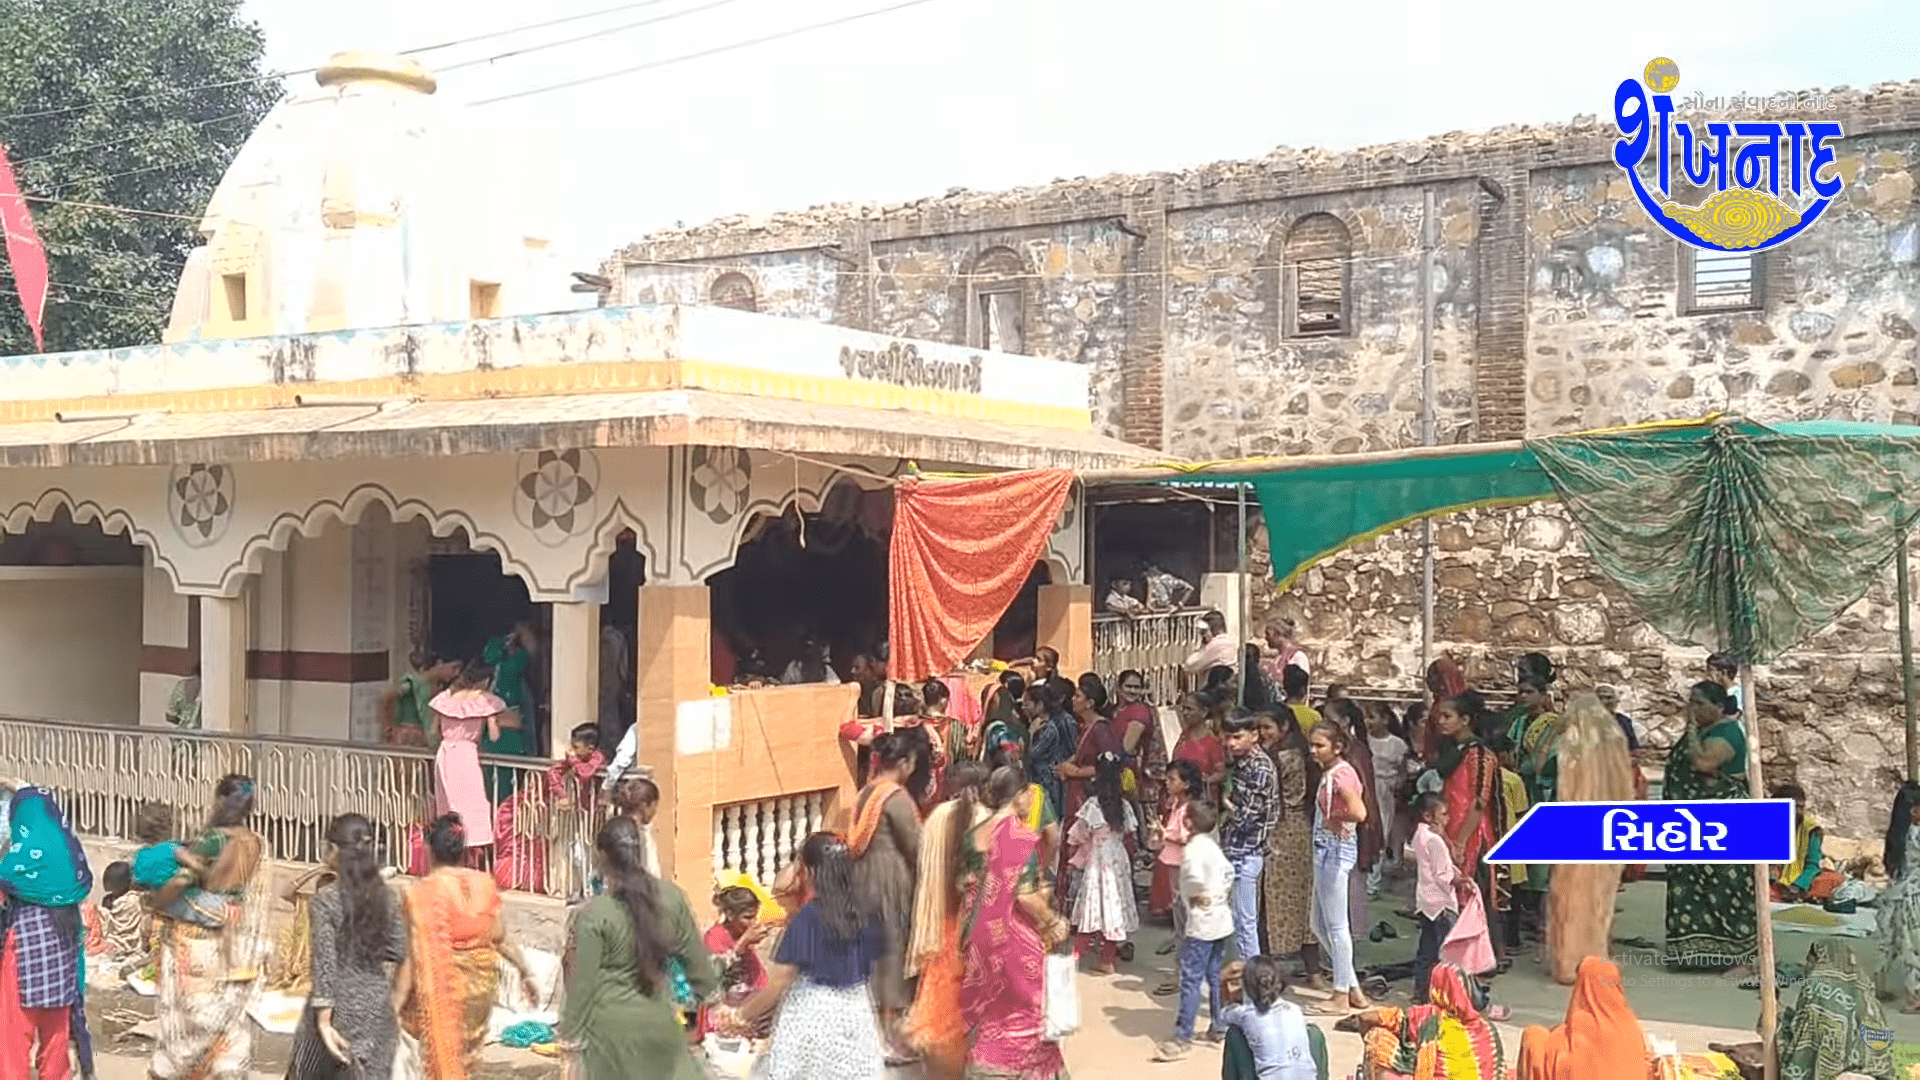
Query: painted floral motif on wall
[
  {"x": 555, "y": 495},
  {"x": 200, "y": 501},
  {"x": 718, "y": 479}
]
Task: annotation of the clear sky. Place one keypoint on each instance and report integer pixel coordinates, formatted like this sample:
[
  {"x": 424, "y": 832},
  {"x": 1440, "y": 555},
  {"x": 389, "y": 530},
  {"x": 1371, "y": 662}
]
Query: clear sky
[{"x": 988, "y": 94}]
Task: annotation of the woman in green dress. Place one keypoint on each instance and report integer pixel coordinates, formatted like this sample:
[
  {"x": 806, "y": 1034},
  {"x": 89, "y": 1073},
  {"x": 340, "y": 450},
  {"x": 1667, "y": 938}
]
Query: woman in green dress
[
  {"x": 619, "y": 1014},
  {"x": 1711, "y": 919},
  {"x": 510, "y": 655}
]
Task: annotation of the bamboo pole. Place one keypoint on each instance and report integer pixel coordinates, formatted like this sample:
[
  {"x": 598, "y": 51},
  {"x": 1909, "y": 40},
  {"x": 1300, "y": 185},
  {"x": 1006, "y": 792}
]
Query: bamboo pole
[
  {"x": 1429, "y": 430},
  {"x": 1906, "y": 657},
  {"x": 1245, "y": 615},
  {"x": 1762, "y": 892}
]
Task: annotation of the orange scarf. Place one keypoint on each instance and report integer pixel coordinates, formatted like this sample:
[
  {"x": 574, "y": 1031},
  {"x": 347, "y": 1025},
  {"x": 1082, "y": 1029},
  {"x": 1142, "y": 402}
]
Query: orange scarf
[
  {"x": 1601, "y": 1039},
  {"x": 867, "y": 825}
]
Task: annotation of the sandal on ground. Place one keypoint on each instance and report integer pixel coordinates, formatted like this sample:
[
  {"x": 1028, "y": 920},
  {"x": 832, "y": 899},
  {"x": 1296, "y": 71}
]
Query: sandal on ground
[
  {"x": 1334, "y": 1007},
  {"x": 1126, "y": 952},
  {"x": 1172, "y": 1051},
  {"x": 1167, "y": 989},
  {"x": 1167, "y": 949}
]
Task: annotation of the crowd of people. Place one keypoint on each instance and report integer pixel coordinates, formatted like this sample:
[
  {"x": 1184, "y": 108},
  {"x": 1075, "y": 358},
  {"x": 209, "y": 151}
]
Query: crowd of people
[{"x": 993, "y": 834}]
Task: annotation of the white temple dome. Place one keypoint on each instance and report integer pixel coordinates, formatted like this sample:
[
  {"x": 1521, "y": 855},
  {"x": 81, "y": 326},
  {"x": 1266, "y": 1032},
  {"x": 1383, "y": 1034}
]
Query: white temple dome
[{"x": 363, "y": 202}]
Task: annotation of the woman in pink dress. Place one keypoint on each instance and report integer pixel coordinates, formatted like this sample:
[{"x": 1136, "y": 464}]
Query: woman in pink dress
[{"x": 461, "y": 713}]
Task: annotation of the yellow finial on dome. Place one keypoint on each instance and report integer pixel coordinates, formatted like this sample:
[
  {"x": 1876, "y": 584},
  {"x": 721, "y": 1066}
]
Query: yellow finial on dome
[{"x": 351, "y": 67}]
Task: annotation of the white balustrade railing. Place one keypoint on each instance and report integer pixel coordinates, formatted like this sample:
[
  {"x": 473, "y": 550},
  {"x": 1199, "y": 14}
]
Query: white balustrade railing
[
  {"x": 102, "y": 775},
  {"x": 760, "y": 838}
]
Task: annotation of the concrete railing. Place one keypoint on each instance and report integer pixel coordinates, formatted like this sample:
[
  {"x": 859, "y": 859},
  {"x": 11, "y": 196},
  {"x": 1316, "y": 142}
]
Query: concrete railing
[
  {"x": 1154, "y": 645},
  {"x": 102, "y": 775}
]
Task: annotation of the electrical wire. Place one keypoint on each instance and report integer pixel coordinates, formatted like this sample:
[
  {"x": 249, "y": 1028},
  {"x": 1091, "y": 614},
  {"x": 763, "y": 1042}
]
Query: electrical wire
[
  {"x": 109, "y": 206},
  {"x": 702, "y": 54},
  {"x": 278, "y": 75},
  {"x": 668, "y": 17},
  {"x": 66, "y": 152}
]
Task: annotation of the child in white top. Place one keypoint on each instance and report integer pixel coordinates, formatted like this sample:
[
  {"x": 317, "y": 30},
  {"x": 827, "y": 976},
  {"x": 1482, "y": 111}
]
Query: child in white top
[
  {"x": 1206, "y": 884},
  {"x": 1390, "y": 755},
  {"x": 1103, "y": 907}
]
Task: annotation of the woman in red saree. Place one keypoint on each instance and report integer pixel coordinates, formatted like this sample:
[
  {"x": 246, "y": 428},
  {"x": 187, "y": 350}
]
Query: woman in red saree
[
  {"x": 1009, "y": 927},
  {"x": 1471, "y": 786},
  {"x": 456, "y": 943}
]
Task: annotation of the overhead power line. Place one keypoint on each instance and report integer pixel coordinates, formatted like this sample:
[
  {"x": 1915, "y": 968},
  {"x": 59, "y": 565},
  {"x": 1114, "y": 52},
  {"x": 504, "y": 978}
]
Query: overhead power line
[
  {"x": 278, "y": 75},
  {"x": 703, "y": 53},
  {"x": 589, "y": 36}
]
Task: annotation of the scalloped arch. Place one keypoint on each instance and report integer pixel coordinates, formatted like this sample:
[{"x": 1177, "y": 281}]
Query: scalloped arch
[
  {"x": 309, "y": 523},
  {"x": 112, "y": 520},
  {"x": 809, "y": 501}
]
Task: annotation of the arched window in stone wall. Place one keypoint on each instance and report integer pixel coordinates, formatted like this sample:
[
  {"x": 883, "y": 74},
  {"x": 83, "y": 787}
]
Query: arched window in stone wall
[
  {"x": 1316, "y": 258},
  {"x": 999, "y": 315},
  {"x": 733, "y": 290}
]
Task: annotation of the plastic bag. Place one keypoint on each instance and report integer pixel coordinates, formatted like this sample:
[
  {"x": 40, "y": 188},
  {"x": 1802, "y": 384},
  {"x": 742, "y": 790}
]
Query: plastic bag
[
  {"x": 1062, "y": 996},
  {"x": 1469, "y": 946},
  {"x": 407, "y": 1064}
]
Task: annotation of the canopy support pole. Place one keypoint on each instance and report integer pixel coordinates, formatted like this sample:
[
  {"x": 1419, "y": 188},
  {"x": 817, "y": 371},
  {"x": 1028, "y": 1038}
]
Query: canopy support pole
[
  {"x": 1906, "y": 658},
  {"x": 1428, "y": 434},
  {"x": 1245, "y": 614},
  {"x": 1762, "y": 890}
]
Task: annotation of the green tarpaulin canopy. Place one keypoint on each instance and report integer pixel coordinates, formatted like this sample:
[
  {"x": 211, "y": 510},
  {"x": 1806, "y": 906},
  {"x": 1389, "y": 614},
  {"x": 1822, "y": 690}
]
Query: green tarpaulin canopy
[{"x": 1726, "y": 533}]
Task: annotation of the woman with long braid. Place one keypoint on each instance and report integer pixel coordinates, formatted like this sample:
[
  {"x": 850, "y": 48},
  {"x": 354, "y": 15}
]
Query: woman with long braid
[
  {"x": 348, "y": 1027},
  {"x": 619, "y": 1012}
]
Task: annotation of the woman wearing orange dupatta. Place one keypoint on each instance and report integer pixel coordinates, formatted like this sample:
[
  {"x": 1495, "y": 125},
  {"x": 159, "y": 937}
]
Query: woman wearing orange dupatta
[
  {"x": 1601, "y": 1039},
  {"x": 457, "y": 942},
  {"x": 933, "y": 1025},
  {"x": 885, "y": 845}
]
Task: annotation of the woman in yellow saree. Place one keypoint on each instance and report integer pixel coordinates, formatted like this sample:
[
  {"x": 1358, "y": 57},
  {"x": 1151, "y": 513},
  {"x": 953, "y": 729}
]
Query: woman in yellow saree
[{"x": 457, "y": 941}]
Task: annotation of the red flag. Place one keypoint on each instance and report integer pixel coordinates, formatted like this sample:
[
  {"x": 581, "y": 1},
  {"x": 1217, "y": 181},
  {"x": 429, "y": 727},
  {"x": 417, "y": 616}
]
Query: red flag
[{"x": 25, "y": 253}]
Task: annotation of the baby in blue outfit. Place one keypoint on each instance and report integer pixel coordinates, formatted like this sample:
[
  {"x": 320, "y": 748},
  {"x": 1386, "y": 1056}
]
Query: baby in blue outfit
[{"x": 163, "y": 859}]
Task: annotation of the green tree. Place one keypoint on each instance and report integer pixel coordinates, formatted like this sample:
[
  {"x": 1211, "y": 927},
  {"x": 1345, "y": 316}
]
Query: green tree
[{"x": 125, "y": 103}]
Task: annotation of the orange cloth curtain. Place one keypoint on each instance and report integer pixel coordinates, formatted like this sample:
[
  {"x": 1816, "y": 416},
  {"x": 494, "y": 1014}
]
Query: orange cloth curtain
[{"x": 961, "y": 551}]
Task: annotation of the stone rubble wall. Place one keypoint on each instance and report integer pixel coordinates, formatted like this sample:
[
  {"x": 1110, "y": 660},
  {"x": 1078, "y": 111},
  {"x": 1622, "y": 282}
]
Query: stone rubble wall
[
  {"x": 1514, "y": 580},
  {"x": 1561, "y": 307}
]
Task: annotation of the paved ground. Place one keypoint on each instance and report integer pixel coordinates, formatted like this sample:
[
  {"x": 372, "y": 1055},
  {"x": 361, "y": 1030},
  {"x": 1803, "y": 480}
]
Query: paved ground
[{"x": 1122, "y": 1019}]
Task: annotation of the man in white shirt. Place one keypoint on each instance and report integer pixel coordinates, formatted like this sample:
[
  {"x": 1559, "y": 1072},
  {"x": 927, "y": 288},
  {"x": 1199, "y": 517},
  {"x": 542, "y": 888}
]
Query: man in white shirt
[
  {"x": 1217, "y": 648},
  {"x": 1724, "y": 669},
  {"x": 1286, "y": 651},
  {"x": 1206, "y": 881}
]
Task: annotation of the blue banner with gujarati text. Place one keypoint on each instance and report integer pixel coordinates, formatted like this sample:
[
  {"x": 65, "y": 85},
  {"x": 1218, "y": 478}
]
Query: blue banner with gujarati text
[{"x": 1716, "y": 831}]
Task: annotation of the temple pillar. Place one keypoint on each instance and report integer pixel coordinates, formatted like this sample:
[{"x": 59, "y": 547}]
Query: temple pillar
[
  {"x": 1066, "y": 624},
  {"x": 575, "y": 674},
  {"x": 223, "y": 663},
  {"x": 675, "y": 666}
]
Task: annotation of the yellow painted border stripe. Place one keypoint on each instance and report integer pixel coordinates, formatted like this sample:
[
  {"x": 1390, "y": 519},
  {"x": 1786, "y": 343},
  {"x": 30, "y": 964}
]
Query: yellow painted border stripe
[{"x": 559, "y": 380}]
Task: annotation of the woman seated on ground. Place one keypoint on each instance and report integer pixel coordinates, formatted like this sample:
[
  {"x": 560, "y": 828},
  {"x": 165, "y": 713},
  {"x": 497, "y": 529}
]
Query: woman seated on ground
[
  {"x": 1600, "y": 1040},
  {"x": 1448, "y": 1032},
  {"x": 1267, "y": 1038},
  {"x": 1804, "y": 879}
]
